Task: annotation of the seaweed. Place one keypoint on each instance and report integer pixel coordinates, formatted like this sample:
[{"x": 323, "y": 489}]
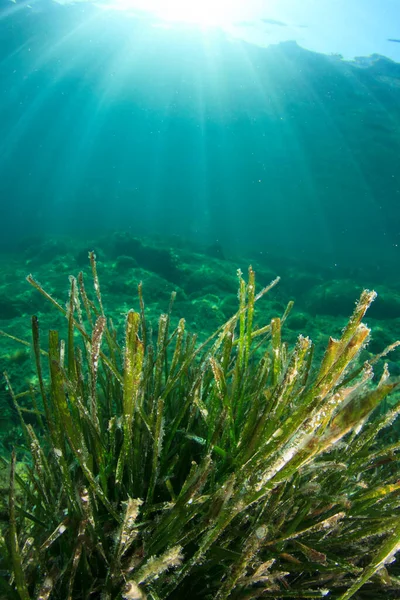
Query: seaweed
[{"x": 162, "y": 468}]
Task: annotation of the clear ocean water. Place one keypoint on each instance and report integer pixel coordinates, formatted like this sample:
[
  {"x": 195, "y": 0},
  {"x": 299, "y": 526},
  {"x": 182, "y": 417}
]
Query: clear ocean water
[
  {"x": 120, "y": 120},
  {"x": 171, "y": 145},
  {"x": 183, "y": 140}
]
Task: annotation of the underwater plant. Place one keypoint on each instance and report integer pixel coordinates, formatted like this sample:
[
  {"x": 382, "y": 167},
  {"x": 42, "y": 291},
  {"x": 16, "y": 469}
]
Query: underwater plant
[{"x": 161, "y": 468}]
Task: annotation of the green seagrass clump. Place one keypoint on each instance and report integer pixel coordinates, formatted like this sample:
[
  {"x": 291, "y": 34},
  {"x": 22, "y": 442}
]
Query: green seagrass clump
[{"x": 160, "y": 468}]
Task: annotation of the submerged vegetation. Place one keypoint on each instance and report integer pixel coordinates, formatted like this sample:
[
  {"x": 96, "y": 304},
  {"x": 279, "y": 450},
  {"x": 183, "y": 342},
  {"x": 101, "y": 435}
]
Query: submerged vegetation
[{"x": 162, "y": 468}]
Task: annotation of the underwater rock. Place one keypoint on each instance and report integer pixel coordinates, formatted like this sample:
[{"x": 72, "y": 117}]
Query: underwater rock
[
  {"x": 125, "y": 262},
  {"x": 16, "y": 304},
  {"x": 381, "y": 337},
  {"x": 332, "y": 298},
  {"x": 207, "y": 315},
  {"x": 215, "y": 250},
  {"x": 229, "y": 305},
  {"x": 45, "y": 251},
  {"x": 386, "y": 306},
  {"x": 210, "y": 279},
  {"x": 9, "y": 309},
  {"x": 297, "y": 283},
  {"x": 298, "y": 322},
  {"x": 158, "y": 260},
  {"x": 124, "y": 244}
]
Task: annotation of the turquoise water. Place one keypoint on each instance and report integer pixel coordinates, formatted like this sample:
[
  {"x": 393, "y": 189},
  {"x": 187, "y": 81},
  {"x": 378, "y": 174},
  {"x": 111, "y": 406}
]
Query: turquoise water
[
  {"x": 180, "y": 150},
  {"x": 112, "y": 122},
  {"x": 182, "y": 142}
]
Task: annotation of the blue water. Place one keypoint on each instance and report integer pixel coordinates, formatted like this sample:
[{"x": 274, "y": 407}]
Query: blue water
[{"x": 114, "y": 122}]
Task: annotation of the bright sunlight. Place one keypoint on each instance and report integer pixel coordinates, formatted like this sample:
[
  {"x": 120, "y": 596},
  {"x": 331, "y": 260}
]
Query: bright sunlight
[{"x": 208, "y": 13}]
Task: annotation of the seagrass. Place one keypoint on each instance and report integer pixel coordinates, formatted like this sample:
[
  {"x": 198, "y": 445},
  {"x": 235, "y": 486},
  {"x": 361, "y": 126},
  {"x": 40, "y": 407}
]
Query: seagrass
[{"x": 162, "y": 468}]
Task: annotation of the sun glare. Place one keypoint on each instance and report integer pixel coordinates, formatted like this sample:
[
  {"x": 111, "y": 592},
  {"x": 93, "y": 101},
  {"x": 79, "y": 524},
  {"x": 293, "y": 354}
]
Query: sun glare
[
  {"x": 203, "y": 12},
  {"x": 207, "y": 13}
]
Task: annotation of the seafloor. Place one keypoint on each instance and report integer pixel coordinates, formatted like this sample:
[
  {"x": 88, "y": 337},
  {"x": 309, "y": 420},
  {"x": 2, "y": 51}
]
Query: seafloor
[{"x": 206, "y": 283}]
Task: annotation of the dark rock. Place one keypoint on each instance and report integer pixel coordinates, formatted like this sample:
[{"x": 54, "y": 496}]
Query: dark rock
[
  {"x": 215, "y": 251},
  {"x": 124, "y": 244},
  {"x": 43, "y": 252},
  {"x": 158, "y": 260},
  {"x": 333, "y": 298},
  {"x": 125, "y": 262},
  {"x": 380, "y": 339},
  {"x": 297, "y": 322},
  {"x": 9, "y": 309},
  {"x": 386, "y": 306},
  {"x": 205, "y": 280}
]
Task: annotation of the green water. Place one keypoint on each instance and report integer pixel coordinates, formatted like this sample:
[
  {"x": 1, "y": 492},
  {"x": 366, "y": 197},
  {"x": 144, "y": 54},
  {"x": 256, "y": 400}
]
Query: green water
[
  {"x": 182, "y": 153},
  {"x": 179, "y": 155},
  {"x": 218, "y": 152},
  {"x": 112, "y": 123}
]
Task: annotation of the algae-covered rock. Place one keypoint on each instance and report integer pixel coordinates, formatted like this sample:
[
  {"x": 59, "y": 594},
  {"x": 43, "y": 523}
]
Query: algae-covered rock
[
  {"x": 206, "y": 313},
  {"x": 125, "y": 262},
  {"x": 40, "y": 252},
  {"x": 298, "y": 322},
  {"x": 332, "y": 297},
  {"x": 211, "y": 277},
  {"x": 9, "y": 308},
  {"x": 387, "y": 305},
  {"x": 158, "y": 259}
]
